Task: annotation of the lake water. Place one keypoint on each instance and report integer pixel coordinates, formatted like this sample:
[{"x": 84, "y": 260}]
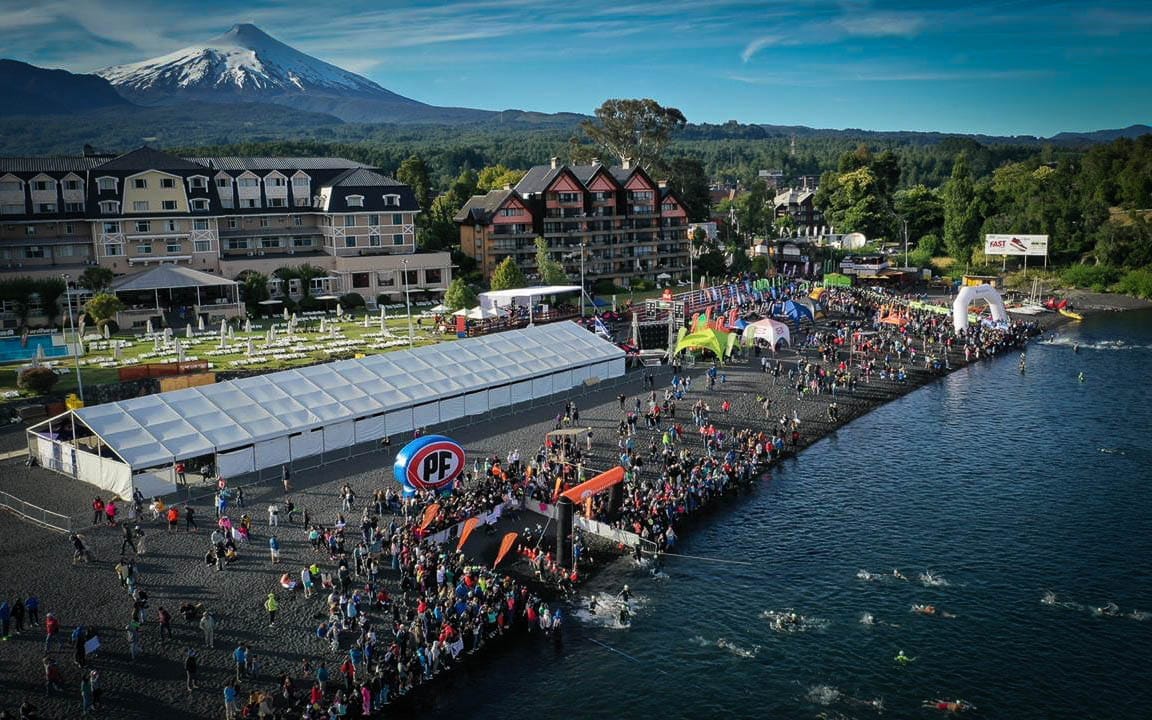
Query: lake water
[{"x": 993, "y": 481}]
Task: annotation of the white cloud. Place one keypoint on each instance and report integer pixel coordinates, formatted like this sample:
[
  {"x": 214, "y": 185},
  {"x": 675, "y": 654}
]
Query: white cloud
[
  {"x": 880, "y": 25},
  {"x": 759, "y": 44}
]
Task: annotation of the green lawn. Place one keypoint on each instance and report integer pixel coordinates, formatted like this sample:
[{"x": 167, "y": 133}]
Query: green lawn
[{"x": 351, "y": 330}]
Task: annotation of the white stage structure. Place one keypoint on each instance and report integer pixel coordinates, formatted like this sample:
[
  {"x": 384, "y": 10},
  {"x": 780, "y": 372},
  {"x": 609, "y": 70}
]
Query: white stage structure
[{"x": 265, "y": 421}]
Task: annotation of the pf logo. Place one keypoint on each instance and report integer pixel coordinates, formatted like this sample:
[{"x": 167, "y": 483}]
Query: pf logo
[{"x": 432, "y": 462}]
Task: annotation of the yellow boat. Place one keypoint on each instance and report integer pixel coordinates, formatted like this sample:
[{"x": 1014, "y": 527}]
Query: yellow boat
[{"x": 1070, "y": 314}]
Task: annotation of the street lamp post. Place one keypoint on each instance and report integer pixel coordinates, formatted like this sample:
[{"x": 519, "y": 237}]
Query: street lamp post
[
  {"x": 407, "y": 301},
  {"x": 583, "y": 249},
  {"x": 75, "y": 337},
  {"x": 905, "y": 221}
]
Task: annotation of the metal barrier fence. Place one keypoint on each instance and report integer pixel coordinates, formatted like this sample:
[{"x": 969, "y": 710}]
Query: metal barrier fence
[{"x": 36, "y": 514}]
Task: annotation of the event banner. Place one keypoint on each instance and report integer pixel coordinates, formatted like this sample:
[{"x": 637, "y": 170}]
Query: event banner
[{"x": 1035, "y": 245}]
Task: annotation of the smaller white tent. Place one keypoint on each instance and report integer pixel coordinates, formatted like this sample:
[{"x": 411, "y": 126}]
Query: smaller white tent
[
  {"x": 523, "y": 296},
  {"x": 769, "y": 330}
]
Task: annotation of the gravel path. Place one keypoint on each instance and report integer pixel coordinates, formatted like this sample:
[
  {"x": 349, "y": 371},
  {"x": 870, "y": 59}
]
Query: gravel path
[{"x": 172, "y": 571}]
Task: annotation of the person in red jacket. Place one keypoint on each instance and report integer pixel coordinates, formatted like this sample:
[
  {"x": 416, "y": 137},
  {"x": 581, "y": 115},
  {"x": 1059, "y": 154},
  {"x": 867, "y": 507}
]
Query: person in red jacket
[{"x": 51, "y": 631}]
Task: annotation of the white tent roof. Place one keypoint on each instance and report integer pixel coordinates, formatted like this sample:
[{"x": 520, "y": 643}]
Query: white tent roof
[
  {"x": 154, "y": 430},
  {"x": 505, "y": 297},
  {"x": 767, "y": 329}
]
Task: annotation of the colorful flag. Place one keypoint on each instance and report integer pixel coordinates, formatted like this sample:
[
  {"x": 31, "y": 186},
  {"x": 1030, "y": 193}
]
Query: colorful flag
[
  {"x": 469, "y": 525},
  {"x": 505, "y": 546}
]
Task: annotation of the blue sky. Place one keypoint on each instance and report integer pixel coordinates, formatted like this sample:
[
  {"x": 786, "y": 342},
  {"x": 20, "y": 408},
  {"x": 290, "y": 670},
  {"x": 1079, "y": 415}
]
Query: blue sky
[{"x": 999, "y": 67}]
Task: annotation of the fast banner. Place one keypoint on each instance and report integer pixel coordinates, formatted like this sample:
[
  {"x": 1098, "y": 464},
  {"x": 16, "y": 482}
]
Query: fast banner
[{"x": 1035, "y": 245}]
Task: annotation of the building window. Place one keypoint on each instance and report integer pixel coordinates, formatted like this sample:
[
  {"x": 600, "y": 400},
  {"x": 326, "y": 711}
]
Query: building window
[
  {"x": 233, "y": 223},
  {"x": 170, "y": 226},
  {"x": 71, "y": 184},
  {"x": 167, "y": 204},
  {"x": 143, "y": 226},
  {"x": 386, "y": 279},
  {"x": 45, "y": 207},
  {"x": 199, "y": 224},
  {"x": 249, "y": 203},
  {"x": 374, "y": 239},
  {"x": 68, "y": 228},
  {"x": 302, "y": 242},
  {"x": 276, "y": 182},
  {"x": 271, "y": 243},
  {"x": 111, "y": 228},
  {"x": 197, "y": 183},
  {"x": 174, "y": 248},
  {"x": 411, "y": 277},
  {"x": 568, "y": 197},
  {"x": 302, "y": 201},
  {"x": 398, "y": 239},
  {"x": 12, "y": 209},
  {"x": 361, "y": 280},
  {"x": 247, "y": 182},
  {"x": 669, "y": 207},
  {"x": 29, "y": 230},
  {"x": 202, "y": 246},
  {"x": 11, "y": 186},
  {"x": 392, "y": 200},
  {"x": 167, "y": 183},
  {"x": 74, "y": 207},
  {"x": 263, "y": 222},
  {"x": 140, "y": 183},
  {"x": 373, "y": 220},
  {"x": 113, "y": 249},
  {"x": 199, "y": 205},
  {"x": 144, "y": 249},
  {"x": 33, "y": 251},
  {"x": 349, "y": 221},
  {"x": 350, "y": 241},
  {"x": 109, "y": 207},
  {"x": 139, "y": 206},
  {"x": 40, "y": 186},
  {"x": 432, "y": 276},
  {"x": 224, "y": 183},
  {"x": 397, "y": 219},
  {"x": 66, "y": 251},
  {"x": 355, "y": 200},
  {"x": 511, "y": 212},
  {"x": 106, "y": 184},
  {"x": 237, "y": 243},
  {"x": 298, "y": 220},
  {"x": 276, "y": 202}
]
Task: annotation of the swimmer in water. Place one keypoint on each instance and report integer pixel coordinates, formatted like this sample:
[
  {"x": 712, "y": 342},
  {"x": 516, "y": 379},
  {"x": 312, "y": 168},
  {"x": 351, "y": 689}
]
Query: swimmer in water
[
  {"x": 931, "y": 610},
  {"x": 1080, "y": 377},
  {"x": 903, "y": 659},
  {"x": 953, "y": 706},
  {"x": 898, "y": 575},
  {"x": 1076, "y": 347},
  {"x": 625, "y": 594},
  {"x": 1109, "y": 610}
]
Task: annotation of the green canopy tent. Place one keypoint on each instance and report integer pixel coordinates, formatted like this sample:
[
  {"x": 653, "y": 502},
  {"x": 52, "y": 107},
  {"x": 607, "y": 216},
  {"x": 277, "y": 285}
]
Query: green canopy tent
[{"x": 706, "y": 339}]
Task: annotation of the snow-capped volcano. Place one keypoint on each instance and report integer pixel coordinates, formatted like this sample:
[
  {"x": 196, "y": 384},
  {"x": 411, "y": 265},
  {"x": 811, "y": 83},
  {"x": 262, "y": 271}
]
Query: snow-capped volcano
[{"x": 244, "y": 61}]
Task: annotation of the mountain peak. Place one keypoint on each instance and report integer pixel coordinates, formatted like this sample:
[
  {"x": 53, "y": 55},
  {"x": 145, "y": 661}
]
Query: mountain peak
[
  {"x": 243, "y": 63},
  {"x": 245, "y": 35}
]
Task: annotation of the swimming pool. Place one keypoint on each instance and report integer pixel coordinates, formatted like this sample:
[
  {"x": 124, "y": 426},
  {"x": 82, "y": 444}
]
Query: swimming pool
[{"x": 12, "y": 350}]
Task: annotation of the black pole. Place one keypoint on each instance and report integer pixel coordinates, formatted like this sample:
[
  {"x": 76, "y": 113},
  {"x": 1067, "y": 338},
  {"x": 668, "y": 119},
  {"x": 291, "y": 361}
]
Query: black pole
[{"x": 564, "y": 510}]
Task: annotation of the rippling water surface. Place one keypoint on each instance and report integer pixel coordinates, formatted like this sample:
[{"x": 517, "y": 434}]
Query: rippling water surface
[{"x": 1023, "y": 499}]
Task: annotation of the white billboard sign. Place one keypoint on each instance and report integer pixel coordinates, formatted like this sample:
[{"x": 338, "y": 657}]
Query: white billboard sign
[{"x": 1035, "y": 245}]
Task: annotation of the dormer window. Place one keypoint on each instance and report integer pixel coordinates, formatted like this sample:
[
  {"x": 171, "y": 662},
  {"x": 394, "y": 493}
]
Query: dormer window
[
  {"x": 109, "y": 207},
  {"x": 197, "y": 182},
  {"x": 355, "y": 200},
  {"x": 106, "y": 184},
  {"x": 199, "y": 205},
  {"x": 392, "y": 200}
]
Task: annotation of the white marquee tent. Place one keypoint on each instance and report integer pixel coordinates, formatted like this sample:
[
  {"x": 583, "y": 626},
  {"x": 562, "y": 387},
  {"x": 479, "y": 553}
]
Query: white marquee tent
[
  {"x": 267, "y": 420},
  {"x": 527, "y": 296}
]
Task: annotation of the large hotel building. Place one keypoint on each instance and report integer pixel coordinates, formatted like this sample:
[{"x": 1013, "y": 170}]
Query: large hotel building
[
  {"x": 220, "y": 215},
  {"x": 627, "y": 226}
]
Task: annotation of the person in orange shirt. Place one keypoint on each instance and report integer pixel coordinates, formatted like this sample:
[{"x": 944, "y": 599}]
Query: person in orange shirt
[{"x": 173, "y": 518}]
